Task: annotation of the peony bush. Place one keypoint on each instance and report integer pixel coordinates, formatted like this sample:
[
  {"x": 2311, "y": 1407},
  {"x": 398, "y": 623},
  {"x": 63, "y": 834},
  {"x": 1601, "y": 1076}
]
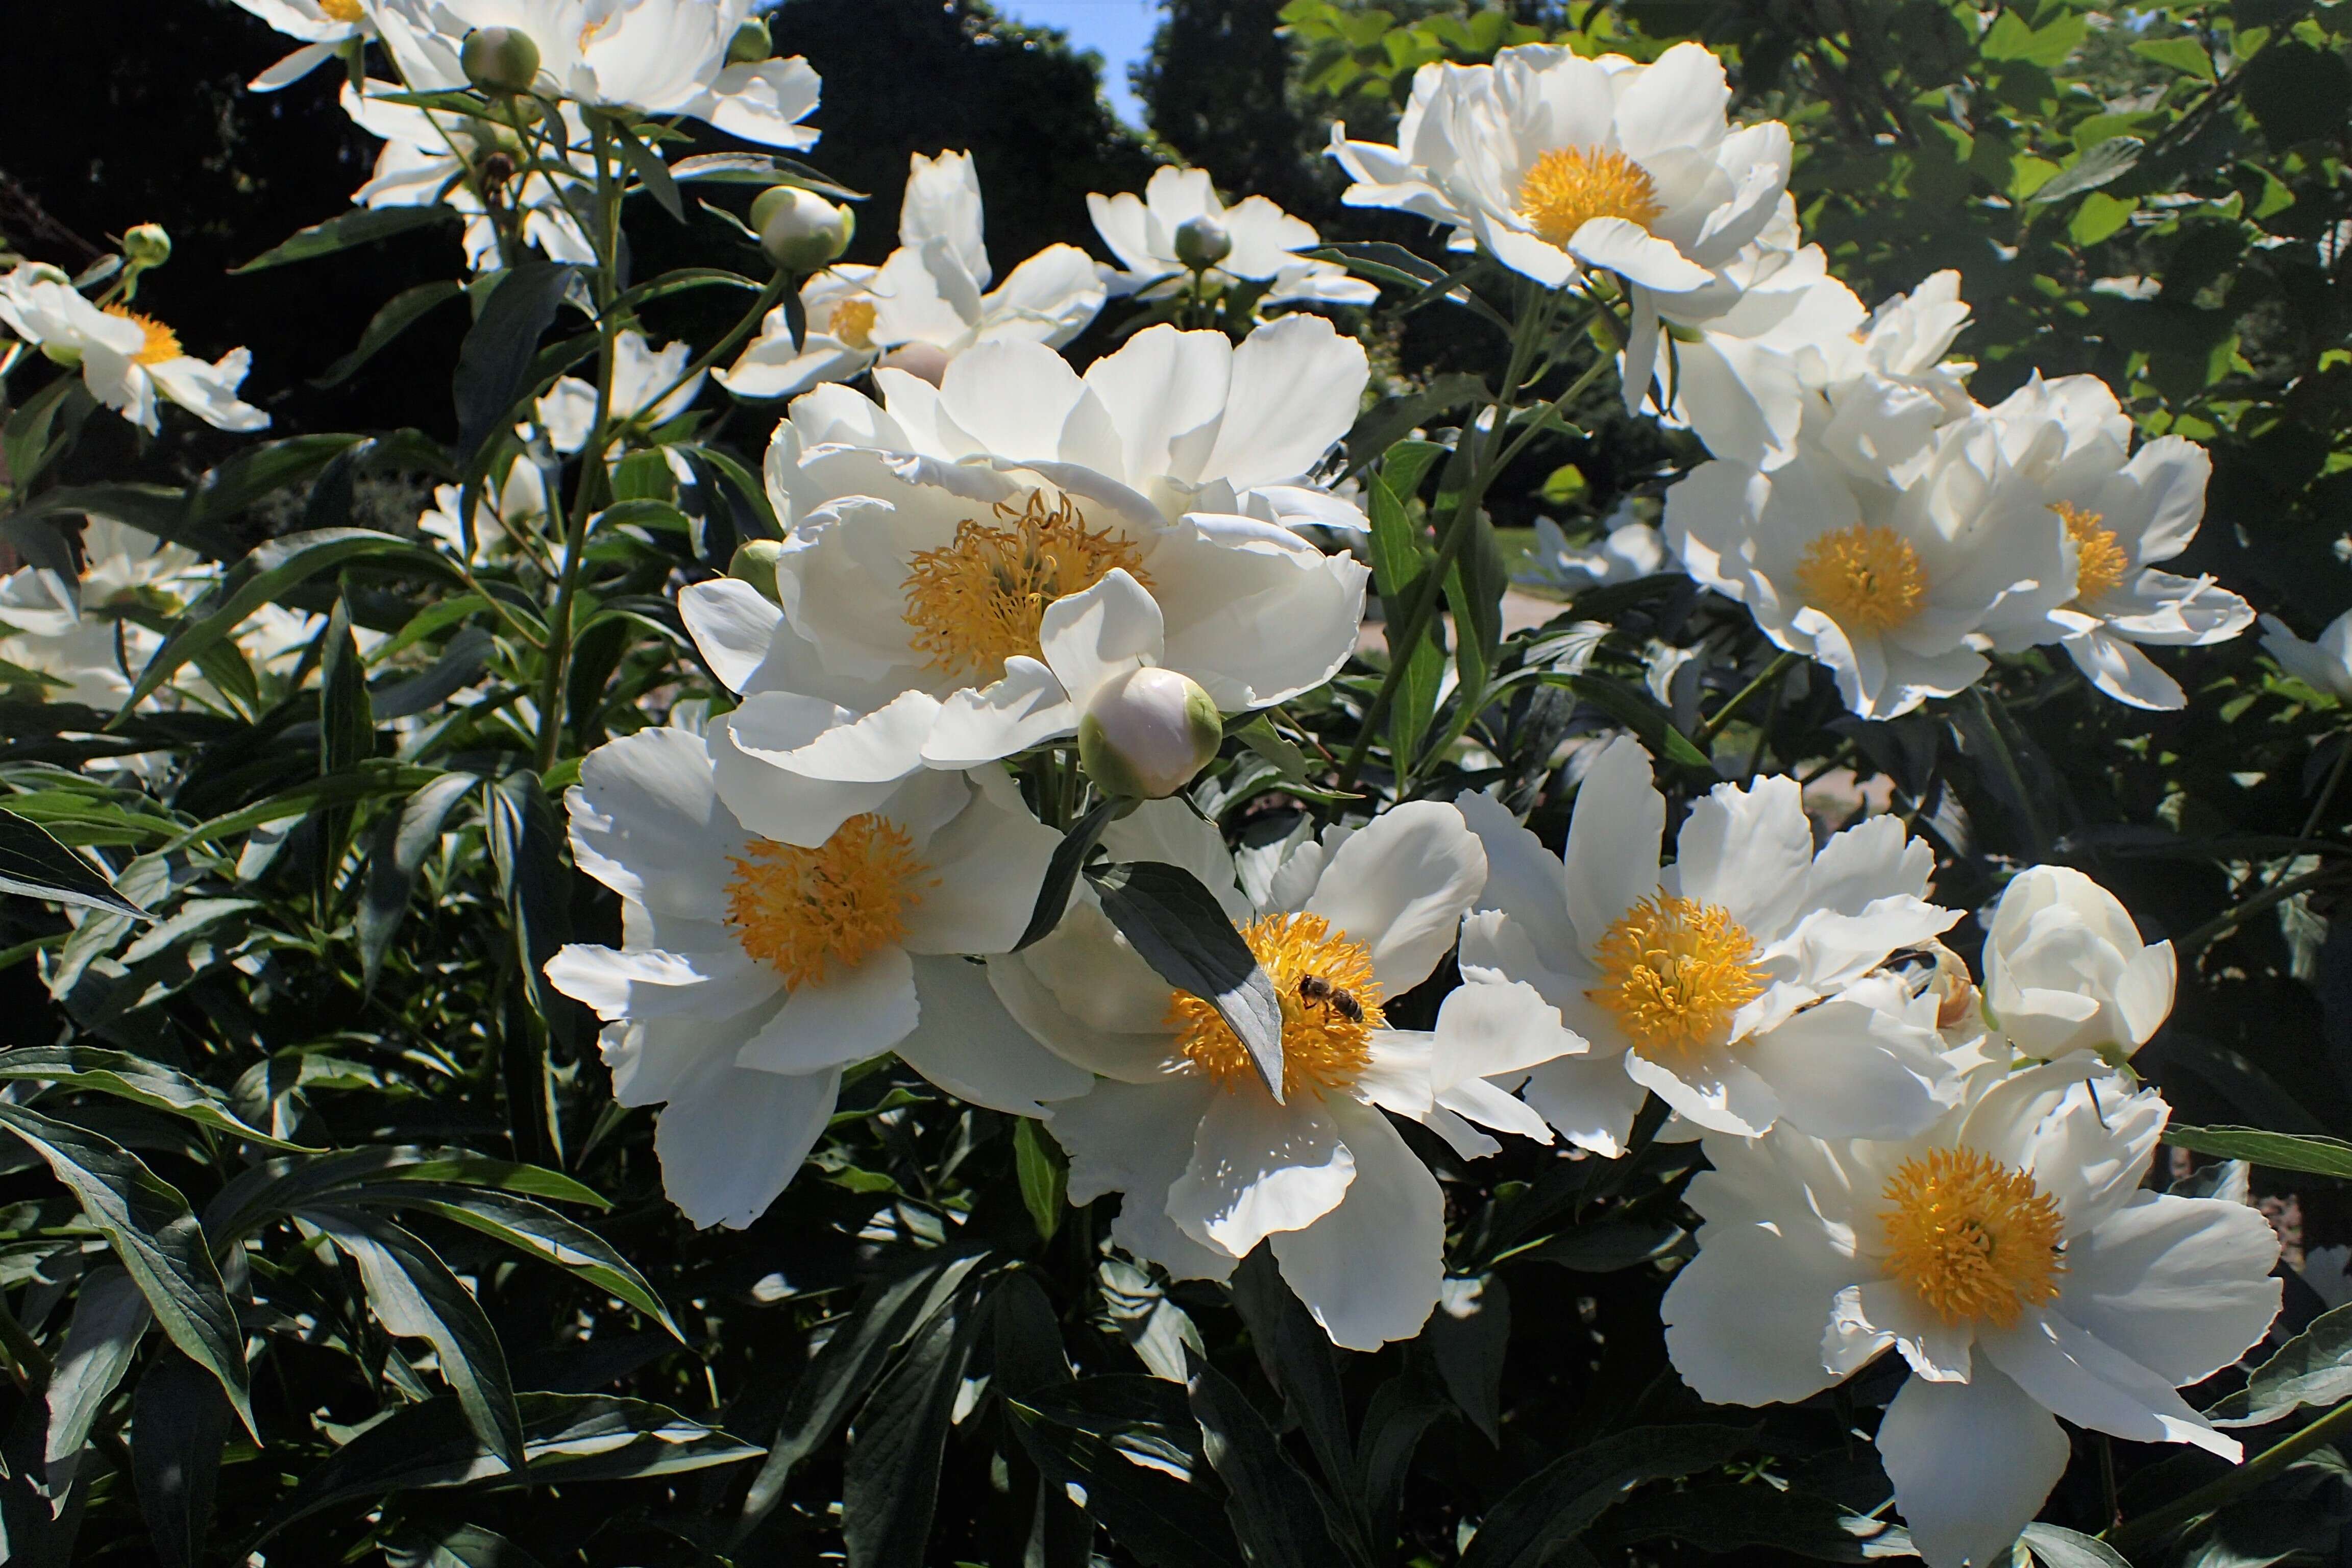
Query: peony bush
[{"x": 922, "y": 916}]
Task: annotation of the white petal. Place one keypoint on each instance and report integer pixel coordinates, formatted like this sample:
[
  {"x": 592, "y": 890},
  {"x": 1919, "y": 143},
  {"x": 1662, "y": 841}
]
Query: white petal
[
  {"x": 1295, "y": 384},
  {"x": 1721, "y": 1094},
  {"x": 1744, "y": 1318},
  {"x": 1971, "y": 1463},
  {"x": 1490, "y": 1105},
  {"x": 730, "y": 1139},
  {"x": 1028, "y": 708},
  {"x": 968, "y": 1045},
  {"x": 1401, "y": 887},
  {"x": 1369, "y": 1269},
  {"x": 1489, "y": 1031},
  {"x": 1108, "y": 630},
  {"x": 846, "y": 1016},
  {"x": 647, "y": 822},
  {"x": 1258, "y": 1168},
  {"x": 1844, "y": 1069},
  {"x": 1137, "y": 1139},
  {"x": 1524, "y": 880},
  {"x": 1591, "y": 1100},
  {"x": 2093, "y": 1384},
  {"x": 1634, "y": 253},
  {"x": 1749, "y": 851},
  {"x": 731, "y": 624},
  {"x": 989, "y": 862},
  {"x": 2182, "y": 1286},
  {"x": 1613, "y": 838},
  {"x": 650, "y": 984}
]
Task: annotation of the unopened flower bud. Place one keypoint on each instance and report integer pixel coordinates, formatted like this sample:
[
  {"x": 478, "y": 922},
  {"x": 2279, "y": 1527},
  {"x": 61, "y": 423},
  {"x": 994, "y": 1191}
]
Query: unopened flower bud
[
  {"x": 800, "y": 230},
  {"x": 1146, "y": 733},
  {"x": 755, "y": 562},
  {"x": 501, "y": 61},
  {"x": 147, "y": 244},
  {"x": 752, "y": 43},
  {"x": 1202, "y": 243},
  {"x": 927, "y": 361}
]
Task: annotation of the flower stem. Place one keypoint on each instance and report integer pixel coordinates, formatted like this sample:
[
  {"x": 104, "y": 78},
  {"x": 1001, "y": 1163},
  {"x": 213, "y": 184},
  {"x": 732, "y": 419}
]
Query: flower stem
[
  {"x": 2150, "y": 1527},
  {"x": 1715, "y": 721}
]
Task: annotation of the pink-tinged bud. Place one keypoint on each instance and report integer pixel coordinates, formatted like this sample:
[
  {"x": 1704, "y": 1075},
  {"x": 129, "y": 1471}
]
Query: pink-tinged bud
[{"x": 1146, "y": 734}]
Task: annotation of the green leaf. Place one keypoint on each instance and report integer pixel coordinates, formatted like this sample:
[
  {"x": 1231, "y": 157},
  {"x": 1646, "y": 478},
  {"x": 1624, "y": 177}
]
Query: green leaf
[
  {"x": 33, "y": 864},
  {"x": 2056, "y": 1547},
  {"x": 1390, "y": 421},
  {"x": 2314, "y": 1368},
  {"x": 2297, "y": 93},
  {"x": 1177, "y": 926},
  {"x": 178, "y": 1424},
  {"x": 399, "y": 313},
  {"x": 1726, "y": 1517},
  {"x": 1160, "y": 1521},
  {"x": 1400, "y": 562},
  {"x": 890, "y": 1482},
  {"x": 278, "y": 1187},
  {"x": 1062, "y": 870},
  {"x": 148, "y": 1224},
  {"x": 403, "y": 840},
  {"x": 2110, "y": 159},
  {"x": 2100, "y": 217},
  {"x": 567, "y": 1439},
  {"x": 132, "y": 1077},
  {"x": 494, "y": 364},
  {"x": 1637, "y": 712},
  {"x": 1304, "y": 1367},
  {"x": 362, "y": 226},
  {"x": 25, "y": 447},
  {"x": 2184, "y": 55},
  {"x": 527, "y": 843},
  {"x": 2279, "y": 1150},
  {"x": 458, "y": 1546},
  {"x": 1045, "y": 1175},
  {"x": 222, "y": 493},
  {"x": 648, "y": 167},
  {"x": 413, "y": 1295},
  {"x": 111, "y": 1316},
  {"x": 1275, "y": 1509},
  {"x": 1468, "y": 1335},
  {"x": 262, "y": 578},
  {"x": 1560, "y": 1501}
]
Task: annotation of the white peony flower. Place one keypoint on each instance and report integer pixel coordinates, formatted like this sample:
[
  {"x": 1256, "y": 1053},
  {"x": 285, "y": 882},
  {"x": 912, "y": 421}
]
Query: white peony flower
[
  {"x": 2324, "y": 666},
  {"x": 752, "y": 973},
  {"x": 1630, "y": 549},
  {"x": 934, "y": 548},
  {"x": 2123, "y": 511},
  {"x": 1141, "y": 232},
  {"x": 515, "y": 507},
  {"x": 2065, "y": 969},
  {"x": 126, "y": 356},
  {"x": 1900, "y": 592},
  {"x": 420, "y": 164},
  {"x": 323, "y": 26},
  {"x": 1556, "y": 165},
  {"x": 2009, "y": 1254},
  {"x": 647, "y": 392},
  {"x": 646, "y": 57},
  {"x": 1890, "y": 387},
  {"x": 61, "y": 628},
  {"x": 927, "y": 295},
  {"x": 1731, "y": 983},
  {"x": 1181, "y": 1124}
]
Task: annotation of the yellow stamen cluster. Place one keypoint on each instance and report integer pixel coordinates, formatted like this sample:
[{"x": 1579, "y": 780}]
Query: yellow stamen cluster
[
  {"x": 1331, "y": 1005},
  {"x": 1864, "y": 577},
  {"x": 1674, "y": 971},
  {"x": 794, "y": 909},
  {"x": 853, "y": 323},
  {"x": 977, "y": 601},
  {"x": 163, "y": 343},
  {"x": 1974, "y": 1240},
  {"x": 343, "y": 11},
  {"x": 2100, "y": 564},
  {"x": 1567, "y": 187}
]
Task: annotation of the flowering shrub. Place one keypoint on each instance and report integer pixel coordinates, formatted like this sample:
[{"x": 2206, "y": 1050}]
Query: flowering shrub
[{"x": 974, "y": 919}]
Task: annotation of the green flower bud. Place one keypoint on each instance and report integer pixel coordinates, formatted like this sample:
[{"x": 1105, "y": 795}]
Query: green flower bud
[
  {"x": 501, "y": 60},
  {"x": 1202, "y": 243},
  {"x": 1147, "y": 734},
  {"x": 147, "y": 246},
  {"x": 752, "y": 44},
  {"x": 755, "y": 562},
  {"x": 800, "y": 230}
]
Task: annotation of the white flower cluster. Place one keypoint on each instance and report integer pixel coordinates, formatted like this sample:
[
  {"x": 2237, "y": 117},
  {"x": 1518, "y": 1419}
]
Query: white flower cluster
[{"x": 1867, "y": 510}]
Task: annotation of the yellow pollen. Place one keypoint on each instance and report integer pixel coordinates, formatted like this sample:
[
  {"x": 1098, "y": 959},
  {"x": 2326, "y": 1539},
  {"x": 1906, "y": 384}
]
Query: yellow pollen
[
  {"x": 345, "y": 11},
  {"x": 1323, "y": 1047},
  {"x": 163, "y": 343},
  {"x": 1866, "y": 578},
  {"x": 977, "y": 601},
  {"x": 2099, "y": 560},
  {"x": 853, "y": 323},
  {"x": 1674, "y": 971},
  {"x": 794, "y": 909},
  {"x": 1974, "y": 1240},
  {"x": 1567, "y": 187}
]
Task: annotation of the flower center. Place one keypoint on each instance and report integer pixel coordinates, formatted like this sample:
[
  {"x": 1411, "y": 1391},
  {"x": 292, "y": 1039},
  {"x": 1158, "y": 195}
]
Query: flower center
[
  {"x": 1865, "y": 577},
  {"x": 1567, "y": 187},
  {"x": 1331, "y": 1005},
  {"x": 847, "y": 899},
  {"x": 1974, "y": 1240},
  {"x": 978, "y": 601},
  {"x": 2100, "y": 564},
  {"x": 853, "y": 323},
  {"x": 345, "y": 11},
  {"x": 163, "y": 343},
  {"x": 1674, "y": 971}
]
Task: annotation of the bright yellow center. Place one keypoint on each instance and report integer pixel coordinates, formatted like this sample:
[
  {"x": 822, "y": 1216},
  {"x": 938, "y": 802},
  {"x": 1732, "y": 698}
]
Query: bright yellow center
[
  {"x": 1331, "y": 1005},
  {"x": 163, "y": 343},
  {"x": 345, "y": 11},
  {"x": 1974, "y": 1240},
  {"x": 978, "y": 601},
  {"x": 794, "y": 909},
  {"x": 2100, "y": 562},
  {"x": 1864, "y": 578},
  {"x": 853, "y": 323},
  {"x": 1674, "y": 971},
  {"x": 1570, "y": 186}
]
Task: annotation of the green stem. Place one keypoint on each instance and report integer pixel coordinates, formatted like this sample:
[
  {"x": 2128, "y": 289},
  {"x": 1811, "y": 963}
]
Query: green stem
[
  {"x": 28, "y": 1363},
  {"x": 1715, "y": 721},
  {"x": 2228, "y": 920},
  {"x": 2152, "y": 1527}
]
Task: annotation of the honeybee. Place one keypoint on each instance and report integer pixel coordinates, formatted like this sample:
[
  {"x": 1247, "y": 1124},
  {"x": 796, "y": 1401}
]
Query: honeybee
[{"x": 1316, "y": 991}]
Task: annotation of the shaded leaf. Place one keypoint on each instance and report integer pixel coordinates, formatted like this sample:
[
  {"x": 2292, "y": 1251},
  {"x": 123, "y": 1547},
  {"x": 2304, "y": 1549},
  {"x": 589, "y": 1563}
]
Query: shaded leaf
[
  {"x": 178, "y": 1424},
  {"x": 362, "y": 225},
  {"x": 33, "y": 864},
  {"x": 1177, "y": 926},
  {"x": 1560, "y": 1501},
  {"x": 494, "y": 363},
  {"x": 1274, "y": 1508}
]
